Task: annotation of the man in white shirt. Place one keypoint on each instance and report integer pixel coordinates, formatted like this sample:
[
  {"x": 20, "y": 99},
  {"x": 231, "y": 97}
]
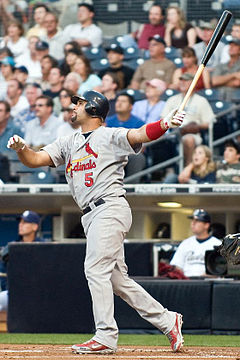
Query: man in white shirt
[
  {"x": 85, "y": 32},
  {"x": 15, "y": 97},
  {"x": 42, "y": 130},
  {"x": 190, "y": 254}
]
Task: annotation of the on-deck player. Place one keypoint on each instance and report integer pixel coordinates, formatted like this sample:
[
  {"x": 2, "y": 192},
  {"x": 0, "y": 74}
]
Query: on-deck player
[{"x": 95, "y": 161}]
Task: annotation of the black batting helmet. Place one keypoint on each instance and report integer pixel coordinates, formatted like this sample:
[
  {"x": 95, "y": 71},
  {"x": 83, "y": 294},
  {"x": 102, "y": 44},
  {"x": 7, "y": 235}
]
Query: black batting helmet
[
  {"x": 97, "y": 104},
  {"x": 201, "y": 215}
]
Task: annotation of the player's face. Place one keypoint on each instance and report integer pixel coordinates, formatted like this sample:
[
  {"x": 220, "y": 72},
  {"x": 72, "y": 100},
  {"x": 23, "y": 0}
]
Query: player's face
[
  {"x": 199, "y": 227},
  {"x": 26, "y": 228},
  {"x": 155, "y": 15},
  {"x": 230, "y": 155},
  {"x": 79, "y": 114}
]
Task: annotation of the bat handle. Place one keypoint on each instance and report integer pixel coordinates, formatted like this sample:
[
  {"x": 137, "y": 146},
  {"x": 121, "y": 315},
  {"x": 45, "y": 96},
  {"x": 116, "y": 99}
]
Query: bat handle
[{"x": 191, "y": 87}]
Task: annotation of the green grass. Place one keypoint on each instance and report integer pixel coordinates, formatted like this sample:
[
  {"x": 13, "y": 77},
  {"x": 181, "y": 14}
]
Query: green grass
[{"x": 131, "y": 339}]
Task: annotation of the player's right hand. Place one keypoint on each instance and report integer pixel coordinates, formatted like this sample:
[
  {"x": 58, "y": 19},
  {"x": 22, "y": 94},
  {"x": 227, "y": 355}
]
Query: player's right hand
[{"x": 16, "y": 143}]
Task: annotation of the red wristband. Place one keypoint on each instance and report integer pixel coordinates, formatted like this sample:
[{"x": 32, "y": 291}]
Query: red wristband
[{"x": 154, "y": 130}]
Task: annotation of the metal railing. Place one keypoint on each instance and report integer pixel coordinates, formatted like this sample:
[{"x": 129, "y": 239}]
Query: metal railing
[{"x": 179, "y": 159}]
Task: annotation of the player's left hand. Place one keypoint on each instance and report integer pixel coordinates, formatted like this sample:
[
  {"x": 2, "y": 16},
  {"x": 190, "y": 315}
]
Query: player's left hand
[{"x": 174, "y": 119}]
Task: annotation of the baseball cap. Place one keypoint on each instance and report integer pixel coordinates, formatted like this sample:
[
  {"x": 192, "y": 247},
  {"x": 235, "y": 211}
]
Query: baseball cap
[
  {"x": 157, "y": 38},
  {"x": 116, "y": 48},
  {"x": 232, "y": 143},
  {"x": 41, "y": 45},
  {"x": 8, "y": 60},
  {"x": 30, "y": 216},
  {"x": 186, "y": 76},
  {"x": 200, "y": 215},
  {"x": 207, "y": 25},
  {"x": 157, "y": 83},
  {"x": 235, "y": 41},
  {"x": 22, "y": 69}
]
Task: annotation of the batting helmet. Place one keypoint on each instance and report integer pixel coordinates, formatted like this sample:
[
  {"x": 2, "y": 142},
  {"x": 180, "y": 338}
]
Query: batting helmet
[
  {"x": 201, "y": 215},
  {"x": 97, "y": 104}
]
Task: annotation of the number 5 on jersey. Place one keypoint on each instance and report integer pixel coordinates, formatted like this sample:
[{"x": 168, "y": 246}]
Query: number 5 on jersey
[{"x": 89, "y": 179}]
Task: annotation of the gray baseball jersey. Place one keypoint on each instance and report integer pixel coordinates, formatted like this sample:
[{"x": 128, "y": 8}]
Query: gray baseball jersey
[{"x": 95, "y": 165}]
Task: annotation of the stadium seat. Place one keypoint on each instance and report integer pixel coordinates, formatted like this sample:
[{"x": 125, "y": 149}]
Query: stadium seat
[
  {"x": 212, "y": 95},
  {"x": 168, "y": 93},
  {"x": 131, "y": 53},
  {"x": 225, "y": 122},
  {"x": 178, "y": 62},
  {"x": 171, "y": 52},
  {"x": 137, "y": 94},
  {"x": 38, "y": 176},
  {"x": 94, "y": 53},
  {"x": 134, "y": 63},
  {"x": 99, "y": 64}
]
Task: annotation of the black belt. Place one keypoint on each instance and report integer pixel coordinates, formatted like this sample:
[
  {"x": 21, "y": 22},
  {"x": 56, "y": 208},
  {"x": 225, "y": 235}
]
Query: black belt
[{"x": 96, "y": 203}]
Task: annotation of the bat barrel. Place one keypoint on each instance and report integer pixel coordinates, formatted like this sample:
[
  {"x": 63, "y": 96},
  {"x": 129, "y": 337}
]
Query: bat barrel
[{"x": 218, "y": 32}]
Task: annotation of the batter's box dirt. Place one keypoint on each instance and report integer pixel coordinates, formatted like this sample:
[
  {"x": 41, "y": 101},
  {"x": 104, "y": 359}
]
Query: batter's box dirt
[{"x": 63, "y": 352}]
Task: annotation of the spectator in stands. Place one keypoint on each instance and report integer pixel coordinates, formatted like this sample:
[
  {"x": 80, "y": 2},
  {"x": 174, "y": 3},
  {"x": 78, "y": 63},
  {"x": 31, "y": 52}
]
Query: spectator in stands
[
  {"x": 150, "y": 109},
  {"x": 70, "y": 45},
  {"x": 206, "y": 31},
  {"x": 4, "y": 52},
  {"x": 228, "y": 171},
  {"x": 7, "y": 73},
  {"x": 30, "y": 60},
  {"x": 54, "y": 36},
  {"x": 32, "y": 92},
  {"x": 27, "y": 233},
  {"x": 47, "y": 63},
  {"x": 201, "y": 170},
  {"x": 5, "y": 16},
  {"x": 21, "y": 74},
  {"x": 42, "y": 49},
  {"x": 85, "y": 32},
  {"x": 89, "y": 80},
  {"x": 42, "y": 130},
  {"x": 155, "y": 26},
  {"x": 15, "y": 40},
  {"x": 72, "y": 82},
  {"x": 7, "y": 128},
  {"x": 235, "y": 34},
  {"x": 65, "y": 101},
  {"x": 158, "y": 66},
  {"x": 71, "y": 58},
  {"x": 190, "y": 66},
  {"x": 115, "y": 55},
  {"x": 55, "y": 79},
  {"x": 39, "y": 13},
  {"x": 109, "y": 88},
  {"x": 15, "y": 97},
  {"x": 190, "y": 254},
  {"x": 226, "y": 77},
  {"x": 199, "y": 116},
  {"x": 124, "y": 118},
  {"x": 178, "y": 32},
  {"x": 68, "y": 127}
]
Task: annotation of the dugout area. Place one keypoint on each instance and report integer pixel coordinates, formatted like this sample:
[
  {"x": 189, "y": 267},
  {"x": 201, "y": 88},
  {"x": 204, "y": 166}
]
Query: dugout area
[{"x": 48, "y": 293}]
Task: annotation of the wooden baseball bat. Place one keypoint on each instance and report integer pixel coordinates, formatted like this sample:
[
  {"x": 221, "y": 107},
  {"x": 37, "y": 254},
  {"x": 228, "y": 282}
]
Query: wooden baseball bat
[{"x": 216, "y": 36}]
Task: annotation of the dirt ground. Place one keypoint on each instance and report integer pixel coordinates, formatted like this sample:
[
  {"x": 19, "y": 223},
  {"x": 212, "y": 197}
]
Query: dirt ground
[{"x": 63, "y": 352}]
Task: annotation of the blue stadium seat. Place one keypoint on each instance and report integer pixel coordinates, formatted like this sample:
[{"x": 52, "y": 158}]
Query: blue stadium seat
[
  {"x": 219, "y": 106},
  {"x": 209, "y": 94},
  {"x": 178, "y": 62},
  {"x": 168, "y": 93},
  {"x": 171, "y": 52},
  {"x": 94, "y": 53},
  {"x": 131, "y": 53},
  {"x": 37, "y": 176},
  {"x": 134, "y": 63},
  {"x": 225, "y": 122},
  {"x": 99, "y": 64},
  {"x": 137, "y": 94}
]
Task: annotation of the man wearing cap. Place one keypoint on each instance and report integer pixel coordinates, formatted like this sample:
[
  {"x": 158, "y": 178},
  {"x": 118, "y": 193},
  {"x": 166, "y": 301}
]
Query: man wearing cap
[
  {"x": 190, "y": 254},
  {"x": 86, "y": 33},
  {"x": 228, "y": 170},
  {"x": 226, "y": 77},
  {"x": 150, "y": 109},
  {"x": 205, "y": 33},
  {"x": 235, "y": 34},
  {"x": 21, "y": 74},
  {"x": 199, "y": 116},
  {"x": 28, "y": 226},
  {"x": 124, "y": 73},
  {"x": 158, "y": 66}
]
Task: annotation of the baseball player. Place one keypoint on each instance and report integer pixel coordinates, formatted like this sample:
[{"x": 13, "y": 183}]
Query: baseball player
[
  {"x": 94, "y": 160},
  {"x": 190, "y": 254}
]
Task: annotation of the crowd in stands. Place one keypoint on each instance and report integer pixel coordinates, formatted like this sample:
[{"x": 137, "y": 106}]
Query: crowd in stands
[{"x": 43, "y": 65}]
